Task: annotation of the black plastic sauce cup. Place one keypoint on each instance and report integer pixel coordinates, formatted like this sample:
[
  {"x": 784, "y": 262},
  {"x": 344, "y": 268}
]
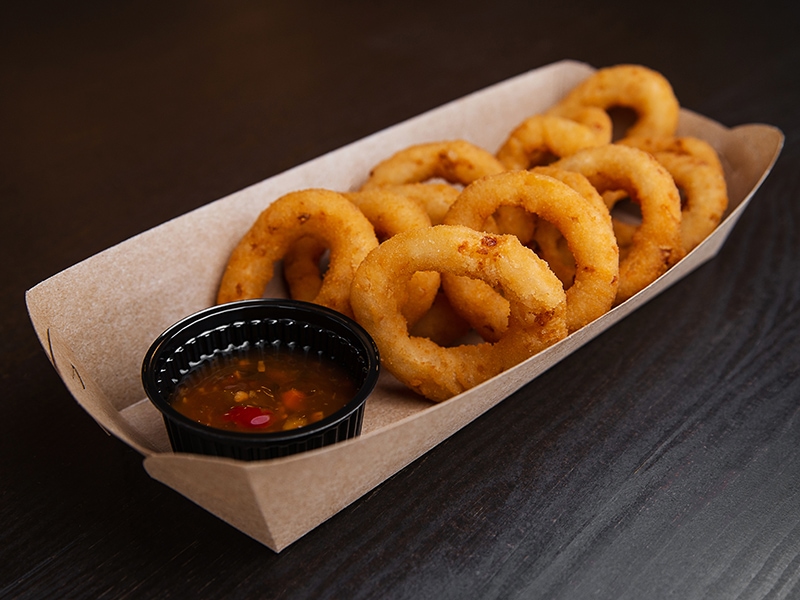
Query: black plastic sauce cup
[{"x": 300, "y": 326}]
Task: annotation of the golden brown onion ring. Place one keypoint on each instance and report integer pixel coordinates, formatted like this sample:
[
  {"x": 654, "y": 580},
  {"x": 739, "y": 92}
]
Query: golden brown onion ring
[
  {"x": 643, "y": 90},
  {"x": 550, "y": 244},
  {"x": 435, "y": 198},
  {"x": 586, "y": 226},
  {"x": 301, "y": 268},
  {"x": 656, "y": 245},
  {"x": 683, "y": 145},
  {"x": 318, "y": 213},
  {"x": 539, "y": 138},
  {"x": 441, "y": 324},
  {"x": 697, "y": 171},
  {"x": 456, "y": 161},
  {"x": 389, "y": 212},
  {"x": 537, "y": 306}
]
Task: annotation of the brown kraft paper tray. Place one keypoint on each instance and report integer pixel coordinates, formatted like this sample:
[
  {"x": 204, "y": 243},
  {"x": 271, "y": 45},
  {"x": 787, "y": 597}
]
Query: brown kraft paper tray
[{"x": 97, "y": 318}]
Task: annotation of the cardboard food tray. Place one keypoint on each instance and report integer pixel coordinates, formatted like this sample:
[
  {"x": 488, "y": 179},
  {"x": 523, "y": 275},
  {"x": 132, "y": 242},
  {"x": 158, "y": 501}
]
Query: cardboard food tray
[{"x": 96, "y": 319}]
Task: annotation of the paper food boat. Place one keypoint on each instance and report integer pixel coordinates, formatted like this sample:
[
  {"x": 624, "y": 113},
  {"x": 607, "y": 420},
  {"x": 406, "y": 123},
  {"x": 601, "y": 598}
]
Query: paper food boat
[{"x": 96, "y": 319}]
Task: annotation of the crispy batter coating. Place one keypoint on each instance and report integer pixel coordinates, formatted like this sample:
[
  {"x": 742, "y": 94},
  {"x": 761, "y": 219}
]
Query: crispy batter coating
[
  {"x": 697, "y": 171},
  {"x": 318, "y": 213},
  {"x": 551, "y": 245},
  {"x": 585, "y": 225},
  {"x": 456, "y": 161},
  {"x": 656, "y": 245},
  {"x": 540, "y": 137},
  {"x": 536, "y": 314},
  {"x": 644, "y": 90},
  {"x": 445, "y": 240},
  {"x": 389, "y": 213}
]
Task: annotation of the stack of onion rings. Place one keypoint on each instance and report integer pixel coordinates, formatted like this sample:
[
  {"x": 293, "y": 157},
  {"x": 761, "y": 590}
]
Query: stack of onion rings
[{"x": 523, "y": 242}]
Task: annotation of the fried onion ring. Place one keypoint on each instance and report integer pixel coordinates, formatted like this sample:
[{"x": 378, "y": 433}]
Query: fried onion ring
[
  {"x": 550, "y": 244},
  {"x": 586, "y": 226},
  {"x": 643, "y": 90},
  {"x": 456, "y": 161},
  {"x": 301, "y": 268},
  {"x": 441, "y": 324},
  {"x": 389, "y": 212},
  {"x": 697, "y": 171},
  {"x": 624, "y": 232},
  {"x": 539, "y": 138},
  {"x": 656, "y": 245},
  {"x": 318, "y": 213},
  {"x": 435, "y": 198},
  {"x": 536, "y": 317},
  {"x": 683, "y": 145}
]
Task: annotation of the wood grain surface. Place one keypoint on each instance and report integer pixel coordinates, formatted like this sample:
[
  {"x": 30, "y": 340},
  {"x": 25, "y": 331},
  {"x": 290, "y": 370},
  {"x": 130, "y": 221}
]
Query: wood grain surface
[{"x": 660, "y": 461}]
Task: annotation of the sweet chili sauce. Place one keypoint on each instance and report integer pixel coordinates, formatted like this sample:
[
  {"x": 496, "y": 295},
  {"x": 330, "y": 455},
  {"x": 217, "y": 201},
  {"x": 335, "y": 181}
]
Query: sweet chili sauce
[{"x": 263, "y": 391}]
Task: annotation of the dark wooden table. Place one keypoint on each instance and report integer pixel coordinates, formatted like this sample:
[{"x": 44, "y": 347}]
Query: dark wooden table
[{"x": 660, "y": 460}]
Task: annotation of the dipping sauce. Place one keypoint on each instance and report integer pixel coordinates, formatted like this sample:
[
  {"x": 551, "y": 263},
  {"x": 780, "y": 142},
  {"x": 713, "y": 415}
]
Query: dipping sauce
[{"x": 263, "y": 391}]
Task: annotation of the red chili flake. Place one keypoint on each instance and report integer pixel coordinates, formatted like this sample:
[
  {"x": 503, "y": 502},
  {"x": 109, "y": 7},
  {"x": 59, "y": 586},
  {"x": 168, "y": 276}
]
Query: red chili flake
[{"x": 249, "y": 416}]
